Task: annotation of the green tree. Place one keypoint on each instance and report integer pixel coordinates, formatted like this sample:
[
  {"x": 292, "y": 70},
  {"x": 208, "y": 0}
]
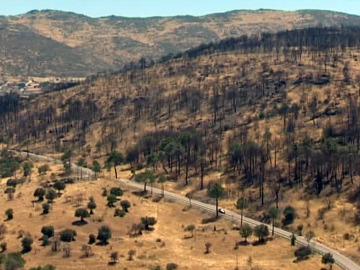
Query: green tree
[
  {"x": 216, "y": 191},
  {"x": 50, "y": 195},
  {"x": 274, "y": 214},
  {"x": 328, "y": 259},
  {"x": 125, "y": 204},
  {"x": 246, "y": 231},
  {"x": 91, "y": 205},
  {"x": 116, "y": 191},
  {"x": 67, "y": 235},
  {"x": 104, "y": 234},
  {"x": 242, "y": 203},
  {"x": 9, "y": 213},
  {"x": 14, "y": 261},
  {"x": 289, "y": 215},
  {"x": 148, "y": 222},
  {"x": 59, "y": 185},
  {"x": 40, "y": 193},
  {"x": 26, "y": 243},
  {"x": 48, "y": 231},
  {"x": 96, "y": 168},
  {"x": 82, "y": 213},
  {"x": 114, "y": 159},
  {"x": 46, "y": 208},
  {"x": 145, "y": 177},
  {"x": 66, "y": 159},
  {"x": 261, "y": 231},
  {"x": 27, "y": 167},
  {"x": 111, "y": 200},
  {"x": 191, "y": 228}
]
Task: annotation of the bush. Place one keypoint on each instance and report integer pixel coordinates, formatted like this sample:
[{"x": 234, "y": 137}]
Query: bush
[
  {"x": 46, "y": 267},
  {"x": 119, "y": 213},
  {"x": 289, "y": 215},
  {"x": 26, "y": 244},
  {"x": 59, "y": 185},
  {"x": 46, "y": 208},
  {"x": 302, "y": 253},
  {"x": 50, "y": 195},
  {"x": 148, "y": 221},
  {"x": 261, "y": 231},
  {"x": 43, "y": 169},
  {"x": 111, "y": 200},
  {"x": 48, "y": 231},
  {"x": 45, "y": 240},
  {"x": 125, "y": 205},
  {"x": 14, "y": 261},
  {"x": 40, "y": 193},
  {"x": 67, "y": 235},
  {"x": 3, "y": 246},
  {"x": 92, "y": 239},
  {"x": 171, "y": 266},
  {"x": 10, "y": 213},
  {"x": 104, "y": 234},
  {"x": 116, "y": 191}
]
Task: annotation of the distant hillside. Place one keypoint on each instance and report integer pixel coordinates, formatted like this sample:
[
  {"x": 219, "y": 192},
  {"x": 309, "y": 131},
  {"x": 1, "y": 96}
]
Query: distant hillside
[{"x": 44, "y": 43}]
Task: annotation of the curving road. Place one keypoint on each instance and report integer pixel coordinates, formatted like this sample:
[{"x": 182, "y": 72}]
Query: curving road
[{"x": 340, "y": 259}]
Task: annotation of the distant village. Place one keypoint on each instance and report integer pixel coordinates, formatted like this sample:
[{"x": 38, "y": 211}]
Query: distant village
[{"x": 27, "y": 87}]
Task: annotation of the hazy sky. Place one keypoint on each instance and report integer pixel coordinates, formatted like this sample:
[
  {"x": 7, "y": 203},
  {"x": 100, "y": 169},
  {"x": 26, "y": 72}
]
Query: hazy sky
[{"x": 145, "y": 8}]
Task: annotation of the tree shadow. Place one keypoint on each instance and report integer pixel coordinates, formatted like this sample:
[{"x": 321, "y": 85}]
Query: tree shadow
[
  {"x": 79, "y": 223},
  {"x": 140, "y": 193},
  {"x": 259, "y": 242},
  {"x": 102, "y": 244},
  {"x": 112, "y": 263}
]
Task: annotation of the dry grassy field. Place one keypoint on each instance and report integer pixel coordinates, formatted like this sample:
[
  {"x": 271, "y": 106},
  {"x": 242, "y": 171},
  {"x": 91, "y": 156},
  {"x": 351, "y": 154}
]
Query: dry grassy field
[{"x": 168, "y": 242}]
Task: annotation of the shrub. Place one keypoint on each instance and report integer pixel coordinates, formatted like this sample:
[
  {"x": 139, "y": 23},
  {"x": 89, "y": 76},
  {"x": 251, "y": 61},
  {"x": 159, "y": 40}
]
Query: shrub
[
  {"x": 67, "y": 235},
  {"x": 116, "y": 191},
  {"x": 48, "y": 231},
  {"x": 119, "y": 213},
  {"x": 43, "y": 169},
  {"x": 328, "y": 259},
  {"x": 46, "y": 208},
  {"x": 125, "y": 205},
  {"x": 171, "y": 266},
  {"x": 148, "y": 221},
  {"x": 104, "y": 234},
  {"x": 9, "y": 213},
  {"x": 111, "y": 200},
  {"x": 26, "y": 244},
  {"x": 3, "y": 246},
  {"x": 246, "y": 231},
  {"x": 50, "y": 195},
  {"x": 92, "y": 239},
  {"x": 261, "y": 231},
  {"x": 45, "y": 240},
  {"x": 46, "y": 267},
  {"x": 14, "y": 261},
  {"x": 302, "y": 253},
  {"x": 59, "y": 185},
  {"x": 40, "y": 193},
  {"x": 91, "y": 205},
  {"x": 289, "y": 215},
  {"x": 82, "y": 213}
]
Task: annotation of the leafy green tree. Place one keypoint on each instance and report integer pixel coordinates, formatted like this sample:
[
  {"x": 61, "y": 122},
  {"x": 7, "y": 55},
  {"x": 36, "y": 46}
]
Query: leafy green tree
[
  {"x": 92, "y": 239},
  {"x": 48, "y": 231},
  {"x": 145, "y": 177},
  {"x": 82, "y": 213},
  {"x": 119, "y": 213},
  {"x": 111, "y": 200},
  {"x": 261, "y": 231},
  {"x": 27, "y": 167},
  {"x": 66, "y": 159},
  {"x": 246, "y": 231},
  {"x": 26, "y": 243},
  {"x": 59, "y": 185},
  {"x": 274, "y": 214},
  {"x": 148, "y": 222},
  {"x": 50, "y": 195},
  {"x": 114, "y": 159},
  {"x": 242, "y": 203},
  {"x": 289, "y": 215},
  {"x": 191, "y": 228},
  {"x": 116, "y": 191},
  {"x": 162, "y": 180},
  {"x": 216, "y": 191},
  {"x": 125, "y": 204},
  {"x": 46, "y": 208},
  {"x": 67, "y": 235},
  {"x": 9, "y": 213},
  {"x": 96, "y": 168},
  {"x": 328, "y": 259},
  {"x": 104, "y": 234},
  {"x": 40, "y": 193},
  {"x": 91, "y": 205},
  {"x": 14, "y": 261}
]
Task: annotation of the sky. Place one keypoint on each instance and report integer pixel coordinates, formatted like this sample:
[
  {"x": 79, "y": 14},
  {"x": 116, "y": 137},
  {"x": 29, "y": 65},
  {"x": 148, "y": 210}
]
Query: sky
[{"x": 147, "y": 8}]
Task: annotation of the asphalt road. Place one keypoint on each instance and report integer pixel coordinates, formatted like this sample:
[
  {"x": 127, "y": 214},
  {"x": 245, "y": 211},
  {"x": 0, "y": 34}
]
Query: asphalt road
[{"x": 340, "y": 259}]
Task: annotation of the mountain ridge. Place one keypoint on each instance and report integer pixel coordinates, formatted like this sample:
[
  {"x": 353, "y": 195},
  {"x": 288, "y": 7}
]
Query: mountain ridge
[{"x": 107, "y": 43}]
